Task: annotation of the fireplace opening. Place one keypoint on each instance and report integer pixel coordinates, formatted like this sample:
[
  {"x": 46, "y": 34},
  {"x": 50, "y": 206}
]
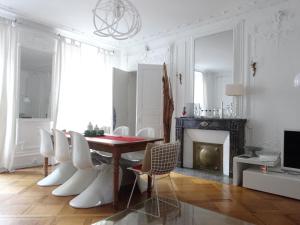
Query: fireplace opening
[{"x": 207, "y": 156}]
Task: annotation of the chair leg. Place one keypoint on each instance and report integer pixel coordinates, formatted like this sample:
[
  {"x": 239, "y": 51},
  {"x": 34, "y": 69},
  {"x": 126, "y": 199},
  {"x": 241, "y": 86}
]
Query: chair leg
[
  {"x": 177, "y": 205},
  {"x": 45, "y": 166},
  {"x": 157, "y": 199},
  {"x": 173, "y": 191},
  {"x": 136, "y": 177}
]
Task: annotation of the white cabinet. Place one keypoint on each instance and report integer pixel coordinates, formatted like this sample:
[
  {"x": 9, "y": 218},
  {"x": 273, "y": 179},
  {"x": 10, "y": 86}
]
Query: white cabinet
[
  {"x": 28, "y": 142},
  {"x": 272, "y": 182}
]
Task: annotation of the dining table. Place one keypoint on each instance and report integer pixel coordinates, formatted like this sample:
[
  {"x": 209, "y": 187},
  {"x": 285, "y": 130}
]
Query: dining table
[{"x": 117, "y": 145}]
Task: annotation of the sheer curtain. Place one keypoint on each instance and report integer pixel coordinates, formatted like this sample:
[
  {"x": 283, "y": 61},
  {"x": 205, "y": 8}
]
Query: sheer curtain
[
  {"x": 55, "y": 87},
  {"x": 85, "y": 87},
  {"x": 8, "y": 96}
]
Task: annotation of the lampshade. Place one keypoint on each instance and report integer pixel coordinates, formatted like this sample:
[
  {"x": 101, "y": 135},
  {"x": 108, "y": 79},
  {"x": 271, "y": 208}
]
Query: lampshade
[
  {"x": 297, "y": 80},
  {"x": 234, "y": 90}
]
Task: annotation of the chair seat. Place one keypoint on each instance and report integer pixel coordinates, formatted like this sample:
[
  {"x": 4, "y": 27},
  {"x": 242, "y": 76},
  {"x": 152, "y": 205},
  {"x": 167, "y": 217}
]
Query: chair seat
[
  {"x": 138, "y": 167},
  {"x": 134, "y": 156},
  {"x": 105, "y": 154}
]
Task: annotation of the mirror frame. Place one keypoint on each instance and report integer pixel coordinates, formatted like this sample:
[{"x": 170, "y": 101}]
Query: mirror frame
[
  {"x": 18, "y": 71},
  {"x": 239, "y": 62}
]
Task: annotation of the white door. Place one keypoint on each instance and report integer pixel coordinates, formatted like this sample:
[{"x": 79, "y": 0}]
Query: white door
[
  {"x": 150, "y": 98},
  {"x": 124, "y": 99}
]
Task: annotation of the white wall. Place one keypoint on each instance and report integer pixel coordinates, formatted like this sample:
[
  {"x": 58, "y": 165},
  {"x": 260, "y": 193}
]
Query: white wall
[
  {"x": 271, "y": 103},
  {"x": 274, "y": 104}
]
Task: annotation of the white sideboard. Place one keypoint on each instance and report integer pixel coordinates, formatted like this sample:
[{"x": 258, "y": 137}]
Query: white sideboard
[
  {"x": 240, "y": 164},
  {"x": 284, "y": 184},
  {"x": 247, "y": 173}
]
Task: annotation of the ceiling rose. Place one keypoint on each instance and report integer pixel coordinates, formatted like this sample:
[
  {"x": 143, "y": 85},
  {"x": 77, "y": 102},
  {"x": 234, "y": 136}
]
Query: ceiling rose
[{"x": 118, "y": 19}]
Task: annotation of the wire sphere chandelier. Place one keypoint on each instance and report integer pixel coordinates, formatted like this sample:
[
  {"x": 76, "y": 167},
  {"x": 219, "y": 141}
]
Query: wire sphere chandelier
[{"x": 118, "y": 19}]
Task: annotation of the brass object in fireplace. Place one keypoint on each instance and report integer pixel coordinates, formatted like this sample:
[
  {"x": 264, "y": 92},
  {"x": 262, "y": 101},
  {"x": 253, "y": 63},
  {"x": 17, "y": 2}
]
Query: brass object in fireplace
[{"x": 208, "y": 156}]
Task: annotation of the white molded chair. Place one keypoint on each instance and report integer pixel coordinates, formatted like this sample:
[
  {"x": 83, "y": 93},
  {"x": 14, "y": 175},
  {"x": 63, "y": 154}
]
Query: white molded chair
[
  {"x": 119, "y": 131},
  {"x": 163, "y": 162},
  {"x": 147, "y": 132},
  {"x": 100, "y": 190},
  {"x": 86, "y": 172},
  {"x": 65, "y": 169},
  {"x": 137, "y": 157}
]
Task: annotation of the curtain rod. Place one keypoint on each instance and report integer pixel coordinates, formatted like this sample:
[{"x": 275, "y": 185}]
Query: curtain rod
[{"x": 51, "y": 31}]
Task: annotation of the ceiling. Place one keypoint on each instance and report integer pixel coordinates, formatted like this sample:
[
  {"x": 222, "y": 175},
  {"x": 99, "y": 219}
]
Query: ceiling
[{"x": 158, "y": 16}]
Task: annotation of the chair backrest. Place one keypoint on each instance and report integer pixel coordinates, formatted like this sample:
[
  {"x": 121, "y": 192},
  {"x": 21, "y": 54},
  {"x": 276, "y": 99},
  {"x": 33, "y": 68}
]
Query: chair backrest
[
  {"x": 164, "y": 158},
  {"x": 61, "y": 146},
  {"x": 46, "y": 145},
  {"x": 121, "y": 131},
  {"x": 81, "y": 156},
  {"x": 148, "y": 132}
]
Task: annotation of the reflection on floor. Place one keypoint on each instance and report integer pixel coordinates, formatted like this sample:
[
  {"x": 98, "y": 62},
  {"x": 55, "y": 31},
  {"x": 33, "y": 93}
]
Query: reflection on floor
[
  {"x": 22, "y": 202},
  {"x": 215, "y": 176},
  {"x": 186, "y": 214}
]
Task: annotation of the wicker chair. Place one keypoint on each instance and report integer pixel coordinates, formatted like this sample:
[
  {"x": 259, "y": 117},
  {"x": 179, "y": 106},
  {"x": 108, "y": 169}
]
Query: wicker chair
[{"x": 163, "y": 161}]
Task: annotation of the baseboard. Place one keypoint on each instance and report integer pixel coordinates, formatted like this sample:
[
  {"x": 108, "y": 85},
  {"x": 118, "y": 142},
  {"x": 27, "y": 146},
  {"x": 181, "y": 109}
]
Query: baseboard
[
  {"x": 2, "y": 170},
  {"x": 27, "y": 159}
]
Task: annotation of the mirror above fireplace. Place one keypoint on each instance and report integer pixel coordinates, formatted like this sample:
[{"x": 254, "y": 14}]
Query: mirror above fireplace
[{"x": 213, "y": 69}]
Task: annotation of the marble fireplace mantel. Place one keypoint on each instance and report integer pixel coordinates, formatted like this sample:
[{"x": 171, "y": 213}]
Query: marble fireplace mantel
[{"x": 236, "y": 128}]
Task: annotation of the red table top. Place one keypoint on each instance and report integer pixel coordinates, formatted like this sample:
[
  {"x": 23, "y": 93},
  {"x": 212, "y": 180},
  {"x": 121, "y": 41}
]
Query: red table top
[{"x": 121, "y": 138}]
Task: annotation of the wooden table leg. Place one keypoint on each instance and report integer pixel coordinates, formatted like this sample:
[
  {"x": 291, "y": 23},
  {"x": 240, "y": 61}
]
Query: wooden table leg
[
  {"x": 149, "y": 189},
  {"x": 116, "y": 163},
  {"x": 46, "y": 166}
]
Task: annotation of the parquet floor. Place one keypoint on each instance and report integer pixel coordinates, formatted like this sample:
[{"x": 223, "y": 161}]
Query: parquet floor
[{"x": 23, "y": 202}]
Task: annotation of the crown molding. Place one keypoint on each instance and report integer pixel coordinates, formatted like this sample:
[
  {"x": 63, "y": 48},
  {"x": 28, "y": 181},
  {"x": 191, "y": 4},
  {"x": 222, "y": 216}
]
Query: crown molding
[{"x": 244, "y": 9}]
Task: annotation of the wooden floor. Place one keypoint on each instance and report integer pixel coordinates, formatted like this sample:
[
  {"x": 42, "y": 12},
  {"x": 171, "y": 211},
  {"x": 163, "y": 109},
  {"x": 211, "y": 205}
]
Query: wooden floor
[{"x": 23, "y": 202}]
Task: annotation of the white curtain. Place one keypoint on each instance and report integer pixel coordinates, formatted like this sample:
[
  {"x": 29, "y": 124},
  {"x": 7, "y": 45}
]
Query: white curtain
[
  {"x": 8, "y": 96},
  {"x": 56, "y": 76},
  {"x": 85, "y": 87},
  {"x": 200, "y": 87}
]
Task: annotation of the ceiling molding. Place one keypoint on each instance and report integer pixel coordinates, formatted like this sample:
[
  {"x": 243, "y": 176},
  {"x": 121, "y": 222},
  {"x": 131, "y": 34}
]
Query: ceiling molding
[{"x": 243, "y": 9}]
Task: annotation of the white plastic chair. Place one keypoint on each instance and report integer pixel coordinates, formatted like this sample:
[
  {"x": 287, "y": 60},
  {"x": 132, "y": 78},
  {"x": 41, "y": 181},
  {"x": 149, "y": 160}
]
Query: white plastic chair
[
  {"x": 46, "y": 145},
  {"x": 62, "y": 153},
  {"x": 137, "y": 157},
  {"x": 86, "y": 171},
  {"x": 147, "y": 132},
  {"x": 94, "y": 192},
  {"x": 119, "y": 131},
  {"x": 163, "y": 161}
]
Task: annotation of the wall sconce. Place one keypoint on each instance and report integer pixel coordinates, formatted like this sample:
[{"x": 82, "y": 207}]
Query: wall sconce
[
  {"x": 179, "y": 76},
  {"x": 253, "y": 67},
  {"x": 297, "y": 81}
]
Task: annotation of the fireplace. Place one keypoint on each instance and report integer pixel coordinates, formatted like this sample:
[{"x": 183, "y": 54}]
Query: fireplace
[
  {"x": 227, "y": 132},
  {"x": 207, "y": 156}
]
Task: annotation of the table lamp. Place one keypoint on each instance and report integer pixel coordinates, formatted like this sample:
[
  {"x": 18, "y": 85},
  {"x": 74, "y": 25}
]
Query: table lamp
[{"x": 235, "y": 90}]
